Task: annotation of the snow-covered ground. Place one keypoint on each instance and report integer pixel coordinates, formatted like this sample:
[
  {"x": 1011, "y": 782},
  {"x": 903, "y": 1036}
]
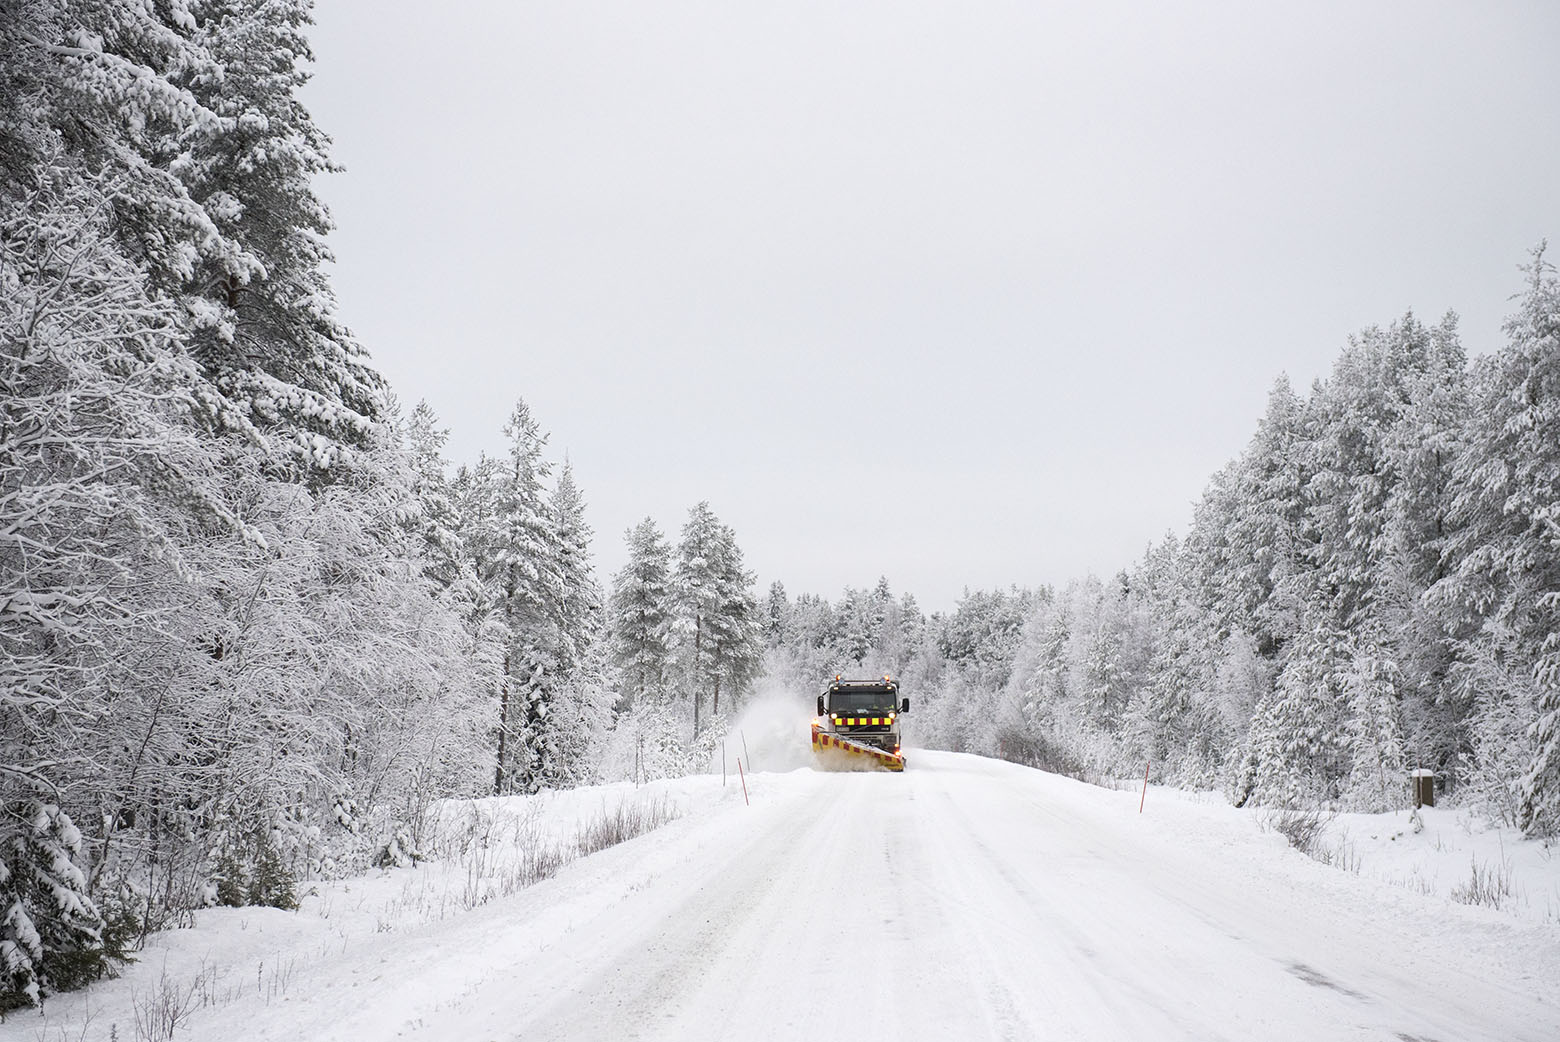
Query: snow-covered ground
[{"x": 965, "y": 898}]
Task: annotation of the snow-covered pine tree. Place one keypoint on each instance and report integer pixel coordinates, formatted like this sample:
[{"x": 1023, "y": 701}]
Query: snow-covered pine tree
[
  {"x": 1173, "y": 722},
  {"x": 983, "y": 634},
  {"x": 446, "y": 560},
  {"x": 879, "y": 607},
  {"x": 912, "y": 626},
  {"x": 582, "y": 709},
  {"x": 641, "y": 616},
  {"x": 1210, "y": 556},
  {"x": 1351, "y": 476},
  {"x": 697, "y": 591},
  {"x": 263, "y": 314},
  {"x": 1424, "y": 445},
  {"x": 1256, "y": 587},
  {"x": 1507, "y": 544},
  {"x": 1242, "y": 680},
  {"x": 106, "y": 81},
  {"x": 51, "y": 934},
  {"x": 1430, "y": 370},
  {"x": 855, "y": 612},
  {"x": 193, "y": 109},
  {"x": 777, "y": 612},
  {"x": 519, "y": 561},
  {"x": 737, "y": 628},
  {"x": 1378, "y": 772},
  {"x": 1299, "y": 737},
  {"x": 890, "y": 646},
  {"x": 579, "y": 596},
  {"x": 716, "y": 613}
]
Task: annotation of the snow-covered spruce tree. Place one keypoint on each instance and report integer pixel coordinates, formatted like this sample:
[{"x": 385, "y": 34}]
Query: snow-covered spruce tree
[
  {"x": 855, "y": 610},
  {"x": 438, "y": 523},
  {"x": 698, "y": 593},
  {"x": 517, "y": 550},
  {"x": 1507, "y": 544},
  {"x": 263, "y": 315},
  {"x": 1299, "y": 741},
  {"x": 105, "y": 80},
  {"x": 717, "y": 616},
  {"x": 1173, "y": 722},
  {"x": 581, "y": 711},
  {"x": 1425, "y": 444},
  {"x": 808, "y": 648},
  {"x": 538, "y": 612},
  {"x": 1377, "y": 775},
  {"x": 736, "y": 629},
  {"x": 1501, "y": 722},
  {"x": 1242, "y": 680},
  {"x": 51, "y": 935},
  {"x": 193, "y": 109},
  {"x": 897, "y": 639},
  {"x": 777, "y": 613},
  {"x": 982, "y": 636},
  {"x": 1255, "y": 583},
  {"x": 1349, "y": 480},
  {"x": 641, "y": 616}
]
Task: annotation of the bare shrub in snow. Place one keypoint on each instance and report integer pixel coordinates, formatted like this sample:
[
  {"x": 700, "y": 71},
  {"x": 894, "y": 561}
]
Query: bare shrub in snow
[
  {"x": 159, "y": 1013},
  {"x": 1489, "y": 884},
  {"x": 1302, "y": 826},
  {"x": 630, "y": 819},
  {"x": 1340, "y": 855}
]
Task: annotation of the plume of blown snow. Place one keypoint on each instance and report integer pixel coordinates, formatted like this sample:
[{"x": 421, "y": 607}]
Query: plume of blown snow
[{"x": 772, "y": 732}]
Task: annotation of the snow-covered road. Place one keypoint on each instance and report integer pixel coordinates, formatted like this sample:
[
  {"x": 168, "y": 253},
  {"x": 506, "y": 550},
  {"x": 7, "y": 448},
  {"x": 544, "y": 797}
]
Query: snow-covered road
[
  {"x": 972, "y": 899},
  {"x": 963, "y": 899}
]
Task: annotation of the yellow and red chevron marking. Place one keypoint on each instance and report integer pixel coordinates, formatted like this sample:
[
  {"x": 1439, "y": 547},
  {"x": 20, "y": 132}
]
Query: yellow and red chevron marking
[{"x": 853, "y": 754}]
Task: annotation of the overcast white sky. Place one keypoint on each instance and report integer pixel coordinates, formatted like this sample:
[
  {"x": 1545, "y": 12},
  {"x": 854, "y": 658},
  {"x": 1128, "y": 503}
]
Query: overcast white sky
[{"x": 959, "y": 293}]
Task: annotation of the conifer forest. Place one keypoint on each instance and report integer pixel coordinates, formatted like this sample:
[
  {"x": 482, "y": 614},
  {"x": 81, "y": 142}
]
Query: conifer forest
[{"x": 254, "y": 623}]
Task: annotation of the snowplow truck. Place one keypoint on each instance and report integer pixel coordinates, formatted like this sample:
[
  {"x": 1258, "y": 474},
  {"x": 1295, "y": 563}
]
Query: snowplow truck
[{"x": 859, "y": 725}]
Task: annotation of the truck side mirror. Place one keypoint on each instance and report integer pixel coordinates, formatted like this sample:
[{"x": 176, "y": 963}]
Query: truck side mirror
[
  {"x": 820, "y": 705},
  {"x": 904, "y": 707}
]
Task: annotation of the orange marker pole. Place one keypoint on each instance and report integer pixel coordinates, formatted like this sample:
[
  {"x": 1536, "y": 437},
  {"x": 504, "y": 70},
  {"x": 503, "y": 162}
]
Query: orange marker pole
[
  {"x": 1144, "y": 797},
  {"x": 744, "y": 784}
]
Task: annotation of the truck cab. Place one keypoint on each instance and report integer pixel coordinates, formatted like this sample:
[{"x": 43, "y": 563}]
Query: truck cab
[{"x": 867, "y": 712}]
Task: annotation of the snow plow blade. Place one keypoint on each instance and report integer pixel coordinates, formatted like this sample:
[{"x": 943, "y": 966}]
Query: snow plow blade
[{"x": 841, "y": 754}]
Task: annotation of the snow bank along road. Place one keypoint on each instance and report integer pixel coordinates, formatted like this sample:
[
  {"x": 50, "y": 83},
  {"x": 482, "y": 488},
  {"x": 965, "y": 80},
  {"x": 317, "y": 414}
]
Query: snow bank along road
[
  {"x": 963, "y": 899},
  {"x": 969, "y": 899}
]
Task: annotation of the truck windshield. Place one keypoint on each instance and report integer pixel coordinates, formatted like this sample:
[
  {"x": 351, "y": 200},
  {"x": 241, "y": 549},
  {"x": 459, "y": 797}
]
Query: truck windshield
[{"x": 861, "y": 702}]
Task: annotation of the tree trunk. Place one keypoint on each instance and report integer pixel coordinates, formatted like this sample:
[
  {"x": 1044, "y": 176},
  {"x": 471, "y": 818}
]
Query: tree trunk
[
  {"x": 698, "y": 692},
  {"x": 503, "y": 729}
]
